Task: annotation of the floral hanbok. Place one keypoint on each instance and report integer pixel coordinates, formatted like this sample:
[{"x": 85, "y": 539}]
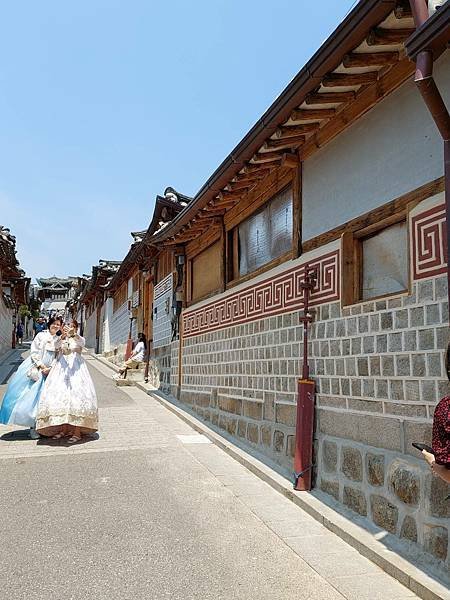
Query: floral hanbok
[
  {"x": 69, "y": 397},
  {"x": 21, "y": 399}
]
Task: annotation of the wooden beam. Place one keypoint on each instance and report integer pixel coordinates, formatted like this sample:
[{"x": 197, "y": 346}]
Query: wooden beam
[
  {"x": 249, "y": 169},
  {"x": 286, "y": 131},
  {"x": 262, "y": 157},
  {"x": 289, "y": 161},
  {"x": 364, "y": 101},
  {"x": 289, "y": 142},
  {"x": 252, "y": 176},
  {"x": 403, "y": 10},
  {"x": 227, "y": 197},
  {"x": 345, "y": 79},
  {"x": 387, "y": 37},
  {"x": 240, "y": 185},
  {"x": 330, "y": 98},
  {"x": 370, "y": 60},
  {"x": 213, "y": 211},
  {"x": 313, "y": 114}
]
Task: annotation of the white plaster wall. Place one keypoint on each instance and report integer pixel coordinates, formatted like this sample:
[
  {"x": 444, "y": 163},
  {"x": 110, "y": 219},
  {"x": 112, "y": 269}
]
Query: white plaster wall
[
  {"x": 388, "y": 152},
  {"x": 107, "y": 312},
  {"x": 90, "y": 330},
  {"x": 5, "y": 327}
]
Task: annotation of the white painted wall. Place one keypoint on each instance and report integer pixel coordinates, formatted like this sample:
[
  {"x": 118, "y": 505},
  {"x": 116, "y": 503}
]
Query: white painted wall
[
  {"x": 6, "y": 316},
  {"x": 90, "y": 327},
  {"x": 388, "y": 152},
  {"x": 107, "y": 313}
]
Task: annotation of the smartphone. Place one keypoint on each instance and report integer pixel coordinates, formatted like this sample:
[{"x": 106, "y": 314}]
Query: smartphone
[
  {"x": 59, "y": 332},
  {"x": 421, "y": 447}
]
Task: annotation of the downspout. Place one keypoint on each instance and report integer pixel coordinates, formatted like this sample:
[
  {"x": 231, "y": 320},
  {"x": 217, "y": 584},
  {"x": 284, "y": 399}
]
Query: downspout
[{"x": 436, "y": 105}]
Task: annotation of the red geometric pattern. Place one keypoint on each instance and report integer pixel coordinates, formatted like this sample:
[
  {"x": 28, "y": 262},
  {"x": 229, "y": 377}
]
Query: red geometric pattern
[
  {"x": 429, "y": 243},
  {"x": 280, "y": 294}
]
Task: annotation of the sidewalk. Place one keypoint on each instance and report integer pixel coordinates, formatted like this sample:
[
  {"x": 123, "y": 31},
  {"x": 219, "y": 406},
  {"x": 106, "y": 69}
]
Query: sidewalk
[{"x": 372, "y": 546}]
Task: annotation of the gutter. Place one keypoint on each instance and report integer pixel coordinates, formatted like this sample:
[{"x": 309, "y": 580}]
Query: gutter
[
  {"x": 428, "y": 89},
  {"x": 348, "y": 34}
]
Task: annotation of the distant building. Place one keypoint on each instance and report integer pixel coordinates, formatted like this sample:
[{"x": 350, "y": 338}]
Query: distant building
[{"x": 55, "y": 293}]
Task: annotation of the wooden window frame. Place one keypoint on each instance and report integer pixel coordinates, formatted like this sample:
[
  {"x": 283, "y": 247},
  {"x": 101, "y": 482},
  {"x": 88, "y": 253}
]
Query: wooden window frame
[
  {"x": 195, "y": 248},
  {"x": 351, "y": 260},
  {"x": 273, "y": 185}
]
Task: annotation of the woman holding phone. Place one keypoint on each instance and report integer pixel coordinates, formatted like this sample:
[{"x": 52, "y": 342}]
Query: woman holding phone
[
  {"x": 21, "y": 399},
  {"x": 68, "y": 403}
]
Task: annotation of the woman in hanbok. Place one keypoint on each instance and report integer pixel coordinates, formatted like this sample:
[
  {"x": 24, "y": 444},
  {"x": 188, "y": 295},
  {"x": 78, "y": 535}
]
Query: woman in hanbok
[
  {"x": 68, "y": 404},
  {"x": 21, "y": 399}
]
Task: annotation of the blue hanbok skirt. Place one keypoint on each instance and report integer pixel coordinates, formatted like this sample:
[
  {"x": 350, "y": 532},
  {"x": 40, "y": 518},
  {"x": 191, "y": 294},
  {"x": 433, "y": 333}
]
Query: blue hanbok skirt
[{"x": 19, "y": 406}]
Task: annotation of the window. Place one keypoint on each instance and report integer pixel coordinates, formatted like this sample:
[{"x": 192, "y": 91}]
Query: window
[
  {"x": 120, "y": 296},
  {"x": 206, "y": 272},
  {"x": 375, "y": 264},
  {"x": 264, "y": 236}
]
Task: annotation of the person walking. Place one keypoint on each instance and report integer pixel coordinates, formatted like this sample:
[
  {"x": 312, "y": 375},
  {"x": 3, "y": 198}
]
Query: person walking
[
  {"x": 68, "y": 404},
  {"x": 39, "y": 325},
  {"x": 20, "y": 401},
  {"x": 19, "y": 332},
  {"x": 136, "y": 358}
]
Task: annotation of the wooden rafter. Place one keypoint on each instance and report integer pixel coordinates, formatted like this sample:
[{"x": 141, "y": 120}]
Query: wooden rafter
[
  {"x": 379, "y": 59},
  {"x": 240, "y": 185},
  {"x": 249, "y": 168},
  {"x": 345, "y": 79},
  {"x": 403, "y": 10},
  {"x": 330, "y": 98},
  {"x": 386, "y": 37},
  {"x": 262, "y": 157},
  {"x": 252, "y": 176},
  {"x": 312, "y": 114},
  {"x": 288, "y": 142},
  {"x": 286, "y": 131}
]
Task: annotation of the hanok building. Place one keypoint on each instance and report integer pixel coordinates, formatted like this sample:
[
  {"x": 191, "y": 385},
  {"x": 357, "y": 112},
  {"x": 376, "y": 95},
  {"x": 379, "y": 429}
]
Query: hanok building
[
  {"x": 342, "y": 177},
  {"x": 14, "y": 288},
  {"x": 55, "y": 292}
]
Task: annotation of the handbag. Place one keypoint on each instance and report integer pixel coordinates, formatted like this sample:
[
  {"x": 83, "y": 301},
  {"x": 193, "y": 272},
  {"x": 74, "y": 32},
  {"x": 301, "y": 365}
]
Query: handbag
[{"x": 33, "y": 373}]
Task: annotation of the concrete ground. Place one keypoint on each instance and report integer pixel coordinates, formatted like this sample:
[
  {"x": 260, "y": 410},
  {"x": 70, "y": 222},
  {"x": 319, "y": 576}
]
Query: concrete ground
[{"x": 151, "y": 510}]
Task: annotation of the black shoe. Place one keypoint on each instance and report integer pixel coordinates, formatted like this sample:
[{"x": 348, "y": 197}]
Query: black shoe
[
  {"x": 34, "y": 435},
  {"x": 421, "y": 447}
]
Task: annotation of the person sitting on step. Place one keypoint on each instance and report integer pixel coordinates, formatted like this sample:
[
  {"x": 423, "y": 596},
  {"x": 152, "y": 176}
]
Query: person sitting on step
[{"x": 136, "y": 358}]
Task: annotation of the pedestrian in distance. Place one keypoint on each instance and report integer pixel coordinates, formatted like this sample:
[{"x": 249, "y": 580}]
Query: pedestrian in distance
[
  {"x": 19, "y": 332},
  {"x": 136, "y": 358},
  {"x": 21, "y": 399},
  {"x": 39, "y": 325},
  {"x": 68, "y": 404}
]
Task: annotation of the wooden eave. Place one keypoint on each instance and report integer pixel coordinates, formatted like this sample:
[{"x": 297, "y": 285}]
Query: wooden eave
[
  {"x": 362, "y": 62},
  {"x": 433, "y": 35}
]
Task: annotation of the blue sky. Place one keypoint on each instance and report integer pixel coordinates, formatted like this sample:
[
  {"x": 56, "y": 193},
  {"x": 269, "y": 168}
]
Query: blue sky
[{"x": 105, "y": 103}]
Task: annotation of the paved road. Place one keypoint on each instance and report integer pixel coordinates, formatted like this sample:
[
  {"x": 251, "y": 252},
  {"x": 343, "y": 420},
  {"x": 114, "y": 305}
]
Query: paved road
[{"x": 151, "y": 510}]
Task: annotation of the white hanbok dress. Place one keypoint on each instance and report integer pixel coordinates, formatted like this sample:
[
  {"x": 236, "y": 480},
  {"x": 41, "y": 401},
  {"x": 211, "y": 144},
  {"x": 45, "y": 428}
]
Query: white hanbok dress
[{"x": 68, "y": 397}]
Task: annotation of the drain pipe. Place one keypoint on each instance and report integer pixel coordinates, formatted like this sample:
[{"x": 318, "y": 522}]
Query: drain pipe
[{"x": 436, "y": 105}]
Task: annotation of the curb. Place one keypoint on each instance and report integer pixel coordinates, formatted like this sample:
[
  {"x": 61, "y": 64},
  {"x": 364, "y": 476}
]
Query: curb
[{"x": 350, "y": 532}]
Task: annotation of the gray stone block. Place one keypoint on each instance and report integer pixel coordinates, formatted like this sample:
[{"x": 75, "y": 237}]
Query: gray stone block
[
  {"x": 368, "y": 344},
  {"x": 372, "y": 430},
  {"x": 380, "y": 305},
  {"x": 363, "y": 366},
  {"x": 395, "y": 342},
  {"x": 425, "y": 291},
  {"x": 329, "y": 456},
  {"x": 426, "y": 339},
  {"x": 340, "y": 328},
  {"x": 401, "y": 319},
  {"x": 340, "y": 366},
  {"x": 396, "y": 391},
  {"x": 384, "y": 514},
  {"x": 418, "y": 365},
  {"x": 352, "y": 326},
  {"x": 381, "y": 343},
  {"x": 368, "y": 307},
  {"x": 410, "y": 340},
  {"x": 330, "y": 487},
  {"x": 335, "y": 347},
  {"x": 266, "y": 436},
  {"x": 325, "y": 312},
  {"x": 443, "y": 388},
  {"x": 387, "y": 365},
  {"x": 375, "y": 467},
  {"x": 408, "y": 530},
  {"x": 442, "y": 338},
  {"x": 436, "y": 492},
  {"x": 278, "y": 441},
  {"x": 345, "y": 387},
  {"x": 432, "y": 314},
  {"x": 355, "y": 387},
  {"x": 351, "y": 463},
  {"x": 394, "y": 302},
  {"x": 428, "y": 391},
  {"x": 404, "y": 482},
  {"x": 434, "y": 365},
  {"x": 374, "y": 322},
  {"x": 382, "y": 388},
  {"x": 363, "y": 324},
  {"x": 368, "y": 388},
  {"x": 416, "y": 431},
  {"x": 356, "y": 345},
  {"x": 375, "y": 365},
  {"x": 329, "y": 366},
  {"x": 436, "y": 541},
  {"x": 402, "y": 365},
  {"x": 253, "y": 433},
  {"x": 386, "y": 320},
  {"x": 440, "y": 288},
  {"x": 356, "y": 309},
  {"x": 355, "y": 500},
  {"x": 345, "y": 344},
  {"x": 416, "y": 316},
  {"x": 335, "y": 310},
  {"x": 350, "y": 366},
  {"x": 335, "y": 387},
  {"x": 405, "y": 410},
  {"x": 360, "y": 404}
]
